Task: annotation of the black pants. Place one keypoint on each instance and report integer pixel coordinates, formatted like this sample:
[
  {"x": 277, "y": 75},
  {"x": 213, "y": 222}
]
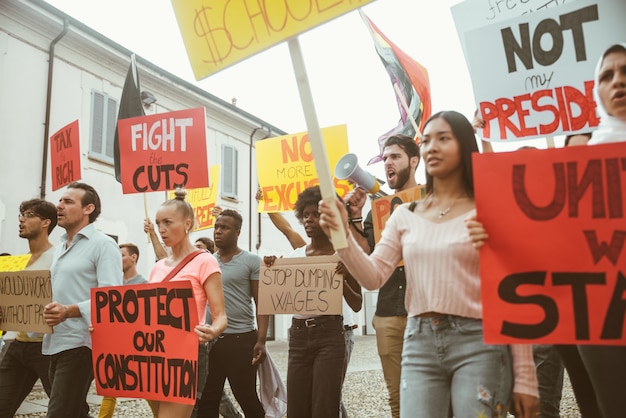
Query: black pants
[{"x": 231, "y": 358}]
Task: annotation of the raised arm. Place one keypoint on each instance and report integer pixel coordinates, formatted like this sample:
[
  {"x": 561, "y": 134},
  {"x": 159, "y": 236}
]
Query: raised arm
[{"x": 148, "y": 228}]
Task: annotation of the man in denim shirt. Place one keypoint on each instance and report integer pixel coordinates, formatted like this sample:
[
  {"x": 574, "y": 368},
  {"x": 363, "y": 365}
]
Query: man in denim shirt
[{"x": 86, "y": 258}]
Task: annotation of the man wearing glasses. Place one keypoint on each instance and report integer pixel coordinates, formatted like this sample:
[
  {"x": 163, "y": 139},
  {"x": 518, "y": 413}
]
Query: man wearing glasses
[{"x": 23, "y": 362}]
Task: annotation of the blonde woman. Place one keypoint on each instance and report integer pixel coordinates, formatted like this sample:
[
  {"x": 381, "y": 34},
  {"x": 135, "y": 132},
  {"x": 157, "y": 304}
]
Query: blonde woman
[{"x": 174, "y": 219}]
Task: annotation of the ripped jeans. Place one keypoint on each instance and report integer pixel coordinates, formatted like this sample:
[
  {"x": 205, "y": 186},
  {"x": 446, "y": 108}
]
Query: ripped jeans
[{"x": 445, "y": 364}]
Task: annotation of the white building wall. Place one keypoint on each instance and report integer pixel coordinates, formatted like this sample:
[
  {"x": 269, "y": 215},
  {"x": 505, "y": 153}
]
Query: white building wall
[{"x": 85, "y": 61}]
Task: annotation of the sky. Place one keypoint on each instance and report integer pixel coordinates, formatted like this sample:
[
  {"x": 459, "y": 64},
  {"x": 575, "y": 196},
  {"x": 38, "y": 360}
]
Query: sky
[{"x": 348, "y": 81}]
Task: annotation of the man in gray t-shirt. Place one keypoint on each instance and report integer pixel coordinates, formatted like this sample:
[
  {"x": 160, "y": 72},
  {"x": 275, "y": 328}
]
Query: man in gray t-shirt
[{"x": 237, "y": 353}]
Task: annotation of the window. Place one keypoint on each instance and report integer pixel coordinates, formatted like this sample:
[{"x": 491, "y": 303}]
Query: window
[
  {"x": 103, "y": 121},
  {"x": 229, "y": 172}
]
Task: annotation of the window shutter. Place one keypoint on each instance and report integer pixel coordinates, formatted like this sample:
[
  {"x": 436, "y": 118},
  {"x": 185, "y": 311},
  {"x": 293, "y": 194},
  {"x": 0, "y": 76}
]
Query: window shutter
[
  {"x": 111, "y": 119},
  {"x": 97, "y": 123},
  {"x": 229, "y": 177}
]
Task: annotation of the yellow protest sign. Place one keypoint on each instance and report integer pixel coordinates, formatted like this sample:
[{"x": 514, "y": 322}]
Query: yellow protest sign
[
  {"x": 14, "y": 262},
  {"x": 219, "y": 33},
  {"x": 285, "y": 167},
  {"x": 203, "y": 199},
  {"x": 302, "y": 285}
]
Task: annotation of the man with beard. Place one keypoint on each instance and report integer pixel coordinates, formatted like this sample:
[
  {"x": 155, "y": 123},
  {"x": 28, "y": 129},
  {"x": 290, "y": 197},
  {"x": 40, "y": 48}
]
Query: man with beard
[
  {"x": 86, "y": 258},
  {"x": 23, "y": 363},
  {"x": 401, "y": 157}
]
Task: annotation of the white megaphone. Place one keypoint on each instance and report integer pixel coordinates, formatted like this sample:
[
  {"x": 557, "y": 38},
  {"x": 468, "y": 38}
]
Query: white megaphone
[{"x": 348, "y": 168}]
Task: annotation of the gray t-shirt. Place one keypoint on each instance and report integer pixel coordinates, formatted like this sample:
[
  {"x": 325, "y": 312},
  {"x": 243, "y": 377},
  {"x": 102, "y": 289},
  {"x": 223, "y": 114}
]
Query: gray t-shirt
[
  {"x": 138, "y": 279},
  {"x": 236, "y": 277}
]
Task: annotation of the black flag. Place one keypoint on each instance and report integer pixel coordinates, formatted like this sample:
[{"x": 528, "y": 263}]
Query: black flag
[{"x": 130, "y": 107}]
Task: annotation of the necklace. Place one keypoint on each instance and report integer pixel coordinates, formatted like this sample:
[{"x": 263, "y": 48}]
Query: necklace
[{"x": 444, "y": 212}]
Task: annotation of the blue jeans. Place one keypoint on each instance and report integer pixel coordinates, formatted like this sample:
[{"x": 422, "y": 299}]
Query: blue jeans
[
  {"x": 21, "y": 366},
  {"x": 550, "y": 377},
  {"x": 445, "y": 363},
  {"x": 71, "y": 374},
  {"x": 315, "y": 369}
]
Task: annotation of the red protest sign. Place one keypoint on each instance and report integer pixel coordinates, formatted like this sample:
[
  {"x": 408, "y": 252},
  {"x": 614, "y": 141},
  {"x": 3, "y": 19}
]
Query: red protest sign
[
  {"x": 144, "y": 345},
  {"x": 553, "y": 268},
  {"x": 65, "y": 156},
  {"x": 162, "y": 152}
]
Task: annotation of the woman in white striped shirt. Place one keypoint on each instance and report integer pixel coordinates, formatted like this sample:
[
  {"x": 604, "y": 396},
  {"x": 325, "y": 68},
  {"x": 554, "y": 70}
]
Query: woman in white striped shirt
[{"x": 445, "y": 363}]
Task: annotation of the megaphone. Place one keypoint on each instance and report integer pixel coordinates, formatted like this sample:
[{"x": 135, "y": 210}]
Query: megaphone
[{"x": 348, "y": 168}]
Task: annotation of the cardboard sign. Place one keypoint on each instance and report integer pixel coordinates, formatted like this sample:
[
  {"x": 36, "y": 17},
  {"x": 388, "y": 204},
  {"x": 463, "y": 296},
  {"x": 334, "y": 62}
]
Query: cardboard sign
[
  {"x": 219, "y": 33},
  {"x": 301, "y": 285},
  {"x": 533, "y": 75},
  {"x": 285, "y": 167},
  {"x": 144, "y": 345},
  {"x": 383, "y": 207},
  {"x": 162, "y": 152},
  {"x": 23, "y": 295},
  {"x": 203, "y": 200},
  {"x": 65, "y": 156},
  {"x": 553, "y": 270}
]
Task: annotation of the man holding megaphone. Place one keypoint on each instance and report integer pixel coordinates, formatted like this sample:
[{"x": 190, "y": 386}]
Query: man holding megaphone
[{"x": 401, "y": 157}]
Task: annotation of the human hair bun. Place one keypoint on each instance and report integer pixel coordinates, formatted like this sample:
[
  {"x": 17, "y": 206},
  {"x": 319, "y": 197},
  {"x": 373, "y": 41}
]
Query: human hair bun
[{"x": 180, "y": 194}]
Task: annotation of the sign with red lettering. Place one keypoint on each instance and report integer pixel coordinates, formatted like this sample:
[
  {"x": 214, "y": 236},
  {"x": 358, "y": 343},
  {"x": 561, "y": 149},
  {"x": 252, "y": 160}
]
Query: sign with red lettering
[
  {"x": 533, "y": 75},
  {"x": 383, "y": 207},
  {"x": 553, "y": 270},
  {"x": 65, "y": 156},
  {"x": 164, "y": 151},
  {"x": 143, "y": 341},
  {"x": 285, "y": 167}
]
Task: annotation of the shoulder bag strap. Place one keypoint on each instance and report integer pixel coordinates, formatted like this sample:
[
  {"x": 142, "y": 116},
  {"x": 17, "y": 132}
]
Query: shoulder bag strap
[{"x": 182, "y": 264}]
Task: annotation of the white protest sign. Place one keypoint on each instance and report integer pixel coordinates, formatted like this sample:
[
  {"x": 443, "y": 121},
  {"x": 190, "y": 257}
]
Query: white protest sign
[{"x": 533, "y": 75}]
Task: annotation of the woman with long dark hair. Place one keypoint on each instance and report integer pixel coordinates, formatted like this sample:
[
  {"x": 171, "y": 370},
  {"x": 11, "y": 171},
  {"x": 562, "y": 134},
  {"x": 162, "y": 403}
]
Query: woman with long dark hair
[{"x": 445, "y": 363}]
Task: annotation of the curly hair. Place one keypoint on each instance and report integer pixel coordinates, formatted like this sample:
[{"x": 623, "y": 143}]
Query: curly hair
[{"x": 309, "y": 196}]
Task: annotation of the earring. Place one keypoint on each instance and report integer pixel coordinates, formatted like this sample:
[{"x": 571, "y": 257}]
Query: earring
[{"x": 186, "y": 231}]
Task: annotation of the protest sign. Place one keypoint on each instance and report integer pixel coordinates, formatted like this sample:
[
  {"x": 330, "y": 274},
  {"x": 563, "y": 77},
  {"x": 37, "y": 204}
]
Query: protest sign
[
  {"x": 217, "y": 34},
  {"x": 144, "y": 345},
  {"x": 285, "y": 167},
  {"x": 203, "y": 200},
  {"x": 302, "y": 285},
  {"x": 65, "y": 156},
  {"x": 14, "y": 262},
  {"x": 533, "y": 75},
  {"x": 383, "y": 207},
  {"x": 473, "y": 14},
  {"x": 163, "y": 151},
  {"x": 23, "y": 296},
  {"x": 553, "y": 268}
]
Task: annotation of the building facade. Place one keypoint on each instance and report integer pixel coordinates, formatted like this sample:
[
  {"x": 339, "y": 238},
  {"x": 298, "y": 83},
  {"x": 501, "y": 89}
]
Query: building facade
[{"x": 55, "y": 70}]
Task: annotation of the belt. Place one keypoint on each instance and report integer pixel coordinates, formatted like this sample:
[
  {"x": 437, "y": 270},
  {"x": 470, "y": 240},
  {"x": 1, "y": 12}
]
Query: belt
[
  {"x": 313, "y": 322},
  {"x": 350, "y": 327}
]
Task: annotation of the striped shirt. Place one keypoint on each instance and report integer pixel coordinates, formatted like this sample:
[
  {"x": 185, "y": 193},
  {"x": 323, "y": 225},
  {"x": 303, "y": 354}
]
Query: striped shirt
[{"x": 442, "y": 273}]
